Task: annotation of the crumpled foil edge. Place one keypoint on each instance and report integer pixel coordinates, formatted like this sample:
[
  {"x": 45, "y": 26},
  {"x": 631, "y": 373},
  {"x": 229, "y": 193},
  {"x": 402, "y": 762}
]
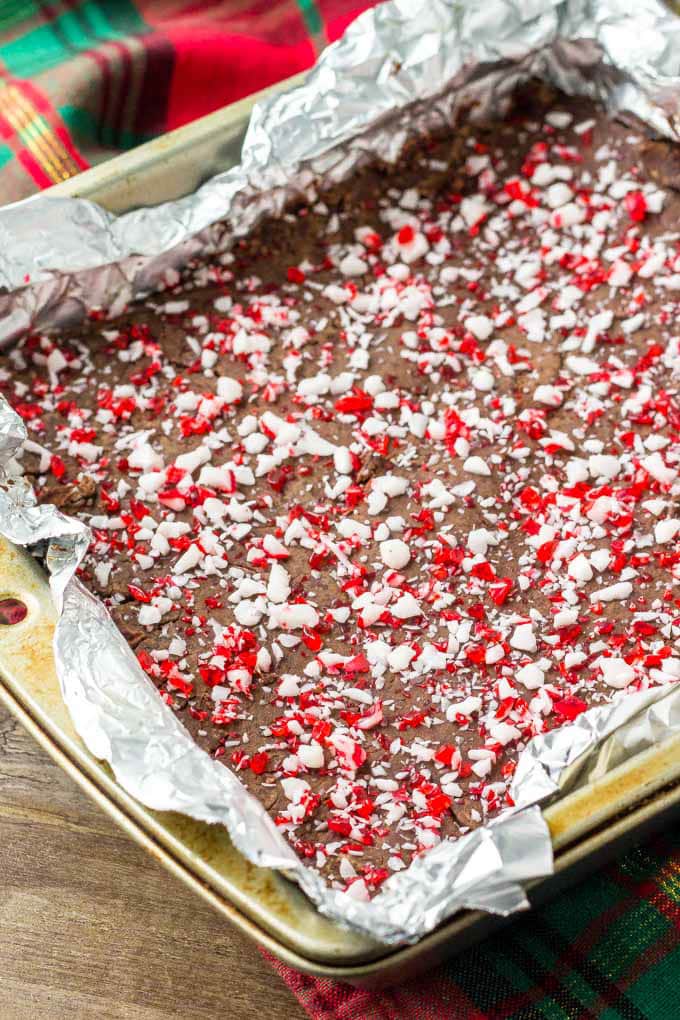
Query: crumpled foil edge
[
  {"x": 406, "y": 66},
  {"x": 401, "y": 68}
]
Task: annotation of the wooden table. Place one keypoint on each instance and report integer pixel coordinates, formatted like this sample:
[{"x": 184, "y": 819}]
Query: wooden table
[{"x": 91, "y": 927}]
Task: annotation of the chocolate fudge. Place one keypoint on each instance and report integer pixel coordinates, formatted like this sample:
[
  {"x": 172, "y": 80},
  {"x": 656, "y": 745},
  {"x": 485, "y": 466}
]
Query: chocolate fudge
[{"x": 392, "y": 486}]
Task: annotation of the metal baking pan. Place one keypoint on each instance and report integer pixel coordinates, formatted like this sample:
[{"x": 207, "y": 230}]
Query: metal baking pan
[
  {"x": 174, "y": 164},
  {"x": 588, "y": 827}
]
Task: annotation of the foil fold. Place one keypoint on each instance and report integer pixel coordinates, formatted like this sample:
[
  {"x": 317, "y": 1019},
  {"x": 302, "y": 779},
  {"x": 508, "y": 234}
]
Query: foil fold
[{"x": 406, "y": 67}]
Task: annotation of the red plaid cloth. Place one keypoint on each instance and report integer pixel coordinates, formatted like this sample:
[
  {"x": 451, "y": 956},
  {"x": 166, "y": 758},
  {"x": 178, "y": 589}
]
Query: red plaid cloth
[
  {"x": 83, "y": 79},
  {"x": 608, "y": 948}
]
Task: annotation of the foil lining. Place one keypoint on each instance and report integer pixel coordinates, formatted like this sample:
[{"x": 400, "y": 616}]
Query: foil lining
[{"x": 406, "y": 67}]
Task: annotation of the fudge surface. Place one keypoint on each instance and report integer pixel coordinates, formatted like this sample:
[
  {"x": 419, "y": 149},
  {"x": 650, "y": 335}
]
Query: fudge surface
[{"x": 392, "y": 486}]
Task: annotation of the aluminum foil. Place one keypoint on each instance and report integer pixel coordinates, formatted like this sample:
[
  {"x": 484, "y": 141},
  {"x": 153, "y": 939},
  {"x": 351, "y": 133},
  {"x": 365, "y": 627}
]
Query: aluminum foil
[{"x": 407, "y": 66}]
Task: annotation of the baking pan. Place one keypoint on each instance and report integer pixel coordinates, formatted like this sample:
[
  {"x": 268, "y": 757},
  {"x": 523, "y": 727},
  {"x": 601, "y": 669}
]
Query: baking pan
[
  {"x": 588, "y": 827},
  {"x": 174, "y": 164}
]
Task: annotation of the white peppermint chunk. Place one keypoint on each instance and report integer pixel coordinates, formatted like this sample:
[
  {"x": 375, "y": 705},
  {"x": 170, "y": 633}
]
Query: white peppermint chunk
[
  {"x": 599, "y": 323},
  {"x": 382, "y": 488},
  {"x": 472, "y": 208},
  {"x": 295, "y": 789},
  {"x": 613, "y": 593},
  {"x": 173, "y": 529},
  {"x": 568, "y": 215},
  {"x": 391, "y": 485},
  {"x": 354, "y": 529},
  {"x": 315, "y": 386},
  {"x": 294, "y": 616},
  {"x": 358, "y": 890},
  {"x": 481, "y": 326},
  {"x": 190, "y": 461},
  {"x": 565, "y": 618},
  {"x": 603, "y": 465},
  {"x": 467, "y": 707},
  {"x": 289, "y": 686},
  {"x": 621, "y": 274},
  {"x": 400, "y": 657},
  {"x": 568, "y": 296},
  {"x": 149, "y": 615},
  {"x": 479, "y": 541},
  {"x": 219, "y": 478},
  {"x": 559, "y": 118},
  {"x": 542, "y": 175},
  {"x": 229, "y": 389},
  {"x": 439, "y": 496},
  {"x": 633, "y": 324},
  {"x": 311, "y": 755},
  {"x": 551, "y": 396},
  {"x": 600, "y": 559},
  {"x": 342, "y": 461},
  {"x": 523, "y": 638},
  {"x": 477, "y": 466},
  {"x": 482, "y": 379},
  {"x": 494, "y": 653},
  {"x": 413, "y": 250},
  {"x": 405, "y": 607},
  {"x": 577, "y": 470},
  {"x": 188, "y": 560},
  {"x": 356, "y": 694},
  {"x": 56, "y": 362},
  {"x": 273, "y": 547},
  {"x": 249, "y": 612},
  {"x": 395, "y": 553},
  {"x": 103, "y": 571},
  {"x": 580, "y": 569},
  {"x": 581, "y": 366},
  {"x": 503, "y": 733},
  {"x": 656, "y": 467},
  {"x": 352, "y": 265},
  {"x": 558, "y": 194},
  {"x": 215, "y": 509},
  {"x": 616, "y": 672},
  {"x": 312, "y": 443},
  {"x": 377, "y": 501},
  {"x": 532, "y": 676},
  {"x": 601, "y": 509},
  {"x": 144, "y": 458},
  {"x": 533, "y": 324},
  {"x": 666, "y": 530},
  {"x": 278, "y": 585}
]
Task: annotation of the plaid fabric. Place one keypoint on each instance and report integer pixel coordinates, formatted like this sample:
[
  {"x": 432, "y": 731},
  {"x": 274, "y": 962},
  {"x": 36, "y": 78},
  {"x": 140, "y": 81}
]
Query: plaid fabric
[
  {"x": 607, "y": 948},
  {"x": 79, "y": 81}
]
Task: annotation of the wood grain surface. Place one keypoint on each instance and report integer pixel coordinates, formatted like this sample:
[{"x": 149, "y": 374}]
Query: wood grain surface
[{"x": 91, "y": 927}]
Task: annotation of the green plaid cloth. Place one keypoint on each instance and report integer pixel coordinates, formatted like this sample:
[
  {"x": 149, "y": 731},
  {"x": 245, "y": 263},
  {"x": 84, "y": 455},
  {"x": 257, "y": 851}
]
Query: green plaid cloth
[
  {"x": 609, "y": 947},
  {"x": 81, "y": 80}
]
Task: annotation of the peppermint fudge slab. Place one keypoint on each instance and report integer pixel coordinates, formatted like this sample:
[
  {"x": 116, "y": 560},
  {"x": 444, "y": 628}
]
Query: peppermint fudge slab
[{"x": 392, "y": 487}]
